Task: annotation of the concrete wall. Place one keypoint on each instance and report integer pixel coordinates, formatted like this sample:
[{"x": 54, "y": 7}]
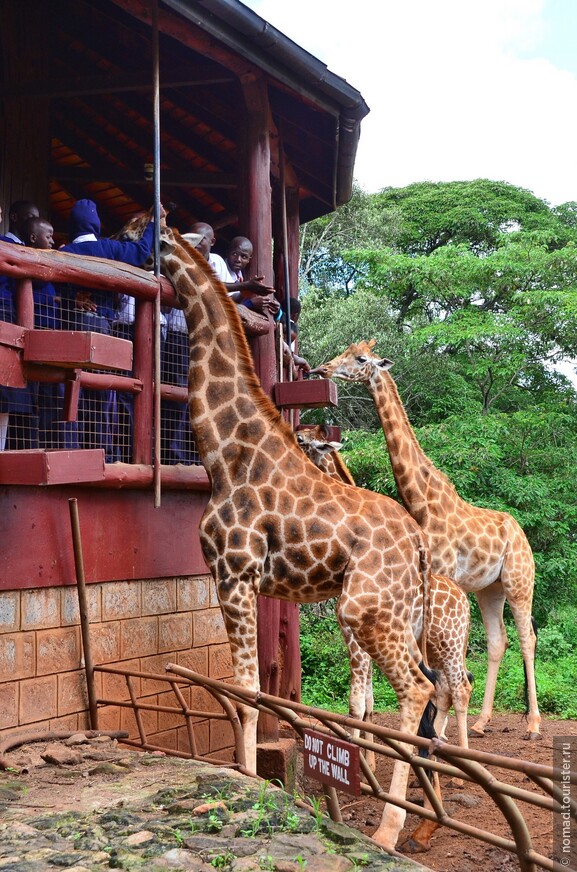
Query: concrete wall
[{"x": 139, "y": 625}]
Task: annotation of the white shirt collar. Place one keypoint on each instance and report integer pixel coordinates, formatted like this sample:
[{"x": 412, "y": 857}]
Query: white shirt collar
[
  {"x": 85, "y": 237},
  {"x": 14, "y": 238}
]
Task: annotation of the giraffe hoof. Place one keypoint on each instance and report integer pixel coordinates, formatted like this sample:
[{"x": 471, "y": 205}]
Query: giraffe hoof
[
  {"x": 411, "y": 846},
  {"x": 532, "y": 737},
  {"x": 476, "y": 733}
]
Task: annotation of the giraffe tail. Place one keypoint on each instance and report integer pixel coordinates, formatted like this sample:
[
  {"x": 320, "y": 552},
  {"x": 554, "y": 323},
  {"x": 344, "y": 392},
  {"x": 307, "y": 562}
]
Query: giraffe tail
[
  {"x": 425, "y": 565},
  {"x": 426, "y": 728},
  {"x": 426, "y": 725}
]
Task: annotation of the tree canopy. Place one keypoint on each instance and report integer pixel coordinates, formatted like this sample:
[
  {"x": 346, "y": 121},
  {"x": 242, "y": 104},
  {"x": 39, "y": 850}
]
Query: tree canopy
[{"x": 471, "y": 289}]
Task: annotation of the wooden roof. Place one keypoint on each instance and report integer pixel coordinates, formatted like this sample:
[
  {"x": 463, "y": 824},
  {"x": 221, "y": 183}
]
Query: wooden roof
[{"x": 93, "y": 63}]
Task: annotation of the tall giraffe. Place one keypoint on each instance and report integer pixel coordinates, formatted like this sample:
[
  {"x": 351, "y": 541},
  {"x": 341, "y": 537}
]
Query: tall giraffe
[
  {"x": 275, "y": 525},
  {"x": 448, "y": 630},
  {"x": 485, "y": 552}
]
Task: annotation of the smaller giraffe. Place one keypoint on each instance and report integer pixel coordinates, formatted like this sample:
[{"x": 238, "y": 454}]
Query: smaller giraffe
[
  {"x": 448, "y": 630},
  {"x": 484, "y": 551}
]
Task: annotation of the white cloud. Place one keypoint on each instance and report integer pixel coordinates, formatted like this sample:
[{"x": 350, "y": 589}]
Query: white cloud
[{"x": 451, "y": 95}]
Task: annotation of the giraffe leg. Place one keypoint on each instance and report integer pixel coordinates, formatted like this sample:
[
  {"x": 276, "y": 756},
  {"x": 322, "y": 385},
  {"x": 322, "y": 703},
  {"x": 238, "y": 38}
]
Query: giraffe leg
[
  {"x": 240, "y": 618},
  {"x": 443, "y": 703},
  {"x": 361, "y": 690},
  {"x": 528, "y": 643},
  {"x": 411, "y": 710},
  {"x": 420, "y": 839},
  {"x": 491, "y": 601},
  {"x": 414, "y": 691},
  {"x": 370, "y": 756}
]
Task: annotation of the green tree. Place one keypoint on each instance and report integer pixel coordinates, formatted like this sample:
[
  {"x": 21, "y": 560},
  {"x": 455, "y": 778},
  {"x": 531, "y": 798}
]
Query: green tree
[
  {"x": 360, "y": 223},
  {"x": 475, "y": 214}
]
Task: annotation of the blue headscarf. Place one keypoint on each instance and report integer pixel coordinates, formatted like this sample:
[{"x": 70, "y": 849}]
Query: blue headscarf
[{"x": 84, "y": 219}]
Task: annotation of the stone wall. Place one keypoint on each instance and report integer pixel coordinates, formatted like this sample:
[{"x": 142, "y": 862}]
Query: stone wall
[{"x": 137, "y": 625}]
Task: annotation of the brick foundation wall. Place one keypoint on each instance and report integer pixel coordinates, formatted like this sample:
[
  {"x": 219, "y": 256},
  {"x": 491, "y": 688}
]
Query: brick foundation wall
[{"x": 139, "y": 625}]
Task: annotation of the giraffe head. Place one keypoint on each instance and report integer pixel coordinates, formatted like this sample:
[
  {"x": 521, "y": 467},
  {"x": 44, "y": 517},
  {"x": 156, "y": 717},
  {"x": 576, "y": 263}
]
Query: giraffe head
[
  {"x": 135, "y": 227},
  {"x": 314, "y": 443},
  {"x": 357, "y": 363}
]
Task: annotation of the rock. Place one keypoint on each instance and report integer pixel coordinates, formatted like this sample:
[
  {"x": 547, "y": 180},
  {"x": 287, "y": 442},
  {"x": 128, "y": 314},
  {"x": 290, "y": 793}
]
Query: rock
[
  {"x": 464, "y": 799},
  {"x": 76, "y": 739},
  {"x": 59, "y": 755},
  {"x": 140, "y": 838},
  {"x": 206, "y": 807},
  {"x": 106, "y": 768},
  {"x": 181, "y": 859}
]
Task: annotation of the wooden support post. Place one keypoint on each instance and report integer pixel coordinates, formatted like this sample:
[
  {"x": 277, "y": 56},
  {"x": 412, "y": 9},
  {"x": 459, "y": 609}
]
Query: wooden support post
[
  {"x": 255, "y": 215},
  {"x": 142, "y": 369}
]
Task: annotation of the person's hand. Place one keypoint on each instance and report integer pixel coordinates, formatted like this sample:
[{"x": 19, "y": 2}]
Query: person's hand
[
  {"x": 83, "y": 301},
  {"x": 301, "y": 364},
  {"x": 257, "y": 286},
  {"x": 268, "y": 305}
]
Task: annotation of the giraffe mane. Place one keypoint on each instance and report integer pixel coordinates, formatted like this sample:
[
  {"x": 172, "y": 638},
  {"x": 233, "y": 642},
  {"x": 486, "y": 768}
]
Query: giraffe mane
[
  {"x": 392, "y": 386},
  {"x": 264, "y": 405}
]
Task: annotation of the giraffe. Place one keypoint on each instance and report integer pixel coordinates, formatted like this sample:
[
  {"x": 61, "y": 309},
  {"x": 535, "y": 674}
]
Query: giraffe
[
  {"x": 448, "y": 630},
  {"x": 275, "y": 525},
  {"x": 484, "y": 551}
]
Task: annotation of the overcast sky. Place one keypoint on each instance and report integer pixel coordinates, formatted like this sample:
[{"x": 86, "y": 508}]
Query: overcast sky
[{"x": 457, "y": 89}]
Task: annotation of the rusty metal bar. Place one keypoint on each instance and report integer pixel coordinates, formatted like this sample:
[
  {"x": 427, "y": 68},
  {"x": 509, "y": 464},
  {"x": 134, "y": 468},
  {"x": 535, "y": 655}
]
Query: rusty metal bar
[
  {"x": 15, "y": 740},
  {"x": 189, "y": 730},
  {"x": 299, "y": 717},
  {"x": 470, "y": 764},
  {"x": 83, "y": 609},
  {"x": 137, "y": 715}
]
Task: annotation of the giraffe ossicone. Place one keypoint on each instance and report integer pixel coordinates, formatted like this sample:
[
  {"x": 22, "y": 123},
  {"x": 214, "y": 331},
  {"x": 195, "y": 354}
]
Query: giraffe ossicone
[
  {"x": 275, "y": 525},
  {"x": 484, "y": 551}
]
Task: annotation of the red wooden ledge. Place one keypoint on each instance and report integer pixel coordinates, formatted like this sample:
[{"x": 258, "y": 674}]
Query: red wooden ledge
[
  {"x": 75, "y": 349},
  {"x": 313, "y": 394}
]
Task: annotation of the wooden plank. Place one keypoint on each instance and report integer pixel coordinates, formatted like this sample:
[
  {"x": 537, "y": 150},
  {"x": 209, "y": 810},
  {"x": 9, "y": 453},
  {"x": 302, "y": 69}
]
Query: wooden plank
[
  {"x": 312, "y": 394},
  {"x": 12, "y": 334},
  {"x": 75, "y": 349},
  {"x": 123, "y": 535},
  {"x": 20, "y": 261},
  {"x": 48, "y": 467},
  {"x": 11, "y": 371}
]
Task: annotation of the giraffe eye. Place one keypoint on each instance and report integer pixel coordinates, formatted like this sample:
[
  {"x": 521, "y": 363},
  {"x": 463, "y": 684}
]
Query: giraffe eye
[{"x": 361, "y": 359}]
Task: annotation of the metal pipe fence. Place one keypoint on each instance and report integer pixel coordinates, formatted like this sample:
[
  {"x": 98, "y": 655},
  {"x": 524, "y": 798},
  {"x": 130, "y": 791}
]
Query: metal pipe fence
[{"x": 470, "y": 765}]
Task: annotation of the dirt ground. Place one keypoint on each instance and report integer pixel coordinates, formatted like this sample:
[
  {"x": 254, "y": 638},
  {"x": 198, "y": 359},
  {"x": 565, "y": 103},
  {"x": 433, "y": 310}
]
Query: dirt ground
[
  {"x": 454, "y": 851},
  {"x": 50, "y": 789}
]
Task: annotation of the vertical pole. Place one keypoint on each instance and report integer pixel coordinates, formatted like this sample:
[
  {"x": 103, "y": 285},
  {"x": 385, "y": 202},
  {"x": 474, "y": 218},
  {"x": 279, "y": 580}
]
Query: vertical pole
[
  {"x": 83, "y": 609},
  {"x": 287, "y": 289},
  {"x": 255, "y": 220},
  {"x": 156, "y": 212}
]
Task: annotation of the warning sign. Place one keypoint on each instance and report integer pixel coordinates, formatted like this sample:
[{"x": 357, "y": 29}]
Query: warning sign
[{"x": 332, "y": 761}]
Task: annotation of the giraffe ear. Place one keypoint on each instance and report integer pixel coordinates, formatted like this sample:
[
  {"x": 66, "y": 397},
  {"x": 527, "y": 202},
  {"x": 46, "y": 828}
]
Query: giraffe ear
[
  {"x": 167, "y": 246},
  {"x": 384, "y": 363},
  {"x": 192, "y": 238},
  {"x": 326, "y": 447}
]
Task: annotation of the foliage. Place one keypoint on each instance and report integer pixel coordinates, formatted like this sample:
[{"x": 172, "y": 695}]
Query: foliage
[
  {"x": 556, "y": 667},
  {"x": 357, "y": 224},
  {"x": 471, "y": 290},
  {"x": 325, "y": 664},
  {"x": 475, "y": 213}
]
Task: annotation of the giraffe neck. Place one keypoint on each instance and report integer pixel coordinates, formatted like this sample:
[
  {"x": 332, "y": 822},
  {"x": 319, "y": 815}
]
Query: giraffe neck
[
  {"x": 229, "y": 412},
  {"x": 336, "y": 467},
  {"x": 415, "y": 474}
]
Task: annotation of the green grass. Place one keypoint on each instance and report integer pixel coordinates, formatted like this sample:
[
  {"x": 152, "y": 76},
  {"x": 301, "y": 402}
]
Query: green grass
[{"x": 326, "y": 673}]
